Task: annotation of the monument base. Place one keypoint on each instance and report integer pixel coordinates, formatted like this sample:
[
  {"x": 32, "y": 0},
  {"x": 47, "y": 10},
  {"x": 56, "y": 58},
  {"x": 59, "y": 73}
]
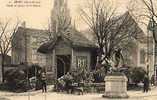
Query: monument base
[
  {"x": 116, "y": 86},
  {"x": 115, "y": 95}
]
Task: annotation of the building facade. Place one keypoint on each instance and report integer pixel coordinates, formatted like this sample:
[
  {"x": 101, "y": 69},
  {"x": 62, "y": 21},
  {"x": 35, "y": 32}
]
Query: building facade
[
  {"x": 25, "y": 43},
  {"x": 141, "y": 54}
]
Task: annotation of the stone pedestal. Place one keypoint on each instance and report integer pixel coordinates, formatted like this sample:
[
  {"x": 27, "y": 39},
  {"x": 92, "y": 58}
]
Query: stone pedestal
[{"x": 115, "y": 86}]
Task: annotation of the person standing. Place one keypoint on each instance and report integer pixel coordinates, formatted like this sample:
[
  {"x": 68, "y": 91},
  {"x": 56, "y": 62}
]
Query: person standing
[
  {"x": 68, "y": 82},
  {"x": 43, "y": 80},
  {"x": 146, "y": 83}
]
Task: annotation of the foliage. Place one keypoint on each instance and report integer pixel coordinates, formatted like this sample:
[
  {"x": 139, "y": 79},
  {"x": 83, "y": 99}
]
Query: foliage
[
  {"x": 97, "y": 75},
  {"x": 134, "y": 74},
  {"x": 16, "y": 79},
  {"x": 137, "y": 74},
  {"x": 78, "y": 74},
  {"x": 3, "y": 87}
]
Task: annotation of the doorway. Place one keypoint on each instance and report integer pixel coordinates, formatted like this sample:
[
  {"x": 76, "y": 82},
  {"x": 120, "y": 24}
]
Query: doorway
[{"x": 63, "y": 64}]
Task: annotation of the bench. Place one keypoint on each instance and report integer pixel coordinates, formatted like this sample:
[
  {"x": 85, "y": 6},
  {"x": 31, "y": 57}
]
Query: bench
[{"x": 77, "y": 87}]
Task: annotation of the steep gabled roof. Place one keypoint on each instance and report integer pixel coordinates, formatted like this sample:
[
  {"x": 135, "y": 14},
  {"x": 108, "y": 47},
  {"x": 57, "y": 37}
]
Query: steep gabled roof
[
  {"x": 75, "y": 39},
  {"x": 140, "y": 36}
]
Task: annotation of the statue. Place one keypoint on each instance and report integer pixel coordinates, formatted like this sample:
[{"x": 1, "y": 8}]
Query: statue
[{"x": 118, "y": 56}]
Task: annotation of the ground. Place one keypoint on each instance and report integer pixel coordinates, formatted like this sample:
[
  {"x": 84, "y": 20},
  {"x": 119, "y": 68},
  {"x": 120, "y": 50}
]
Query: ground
[{"x": 38, "y": 95}]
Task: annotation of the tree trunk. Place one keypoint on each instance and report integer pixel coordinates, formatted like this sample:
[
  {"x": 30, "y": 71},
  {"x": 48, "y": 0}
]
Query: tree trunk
[{"x": 3, "y": 60}]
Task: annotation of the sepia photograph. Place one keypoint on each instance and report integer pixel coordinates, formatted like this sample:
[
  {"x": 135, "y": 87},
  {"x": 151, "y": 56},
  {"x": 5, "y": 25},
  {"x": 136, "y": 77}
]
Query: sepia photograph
[{"x": 78, "y": 49}]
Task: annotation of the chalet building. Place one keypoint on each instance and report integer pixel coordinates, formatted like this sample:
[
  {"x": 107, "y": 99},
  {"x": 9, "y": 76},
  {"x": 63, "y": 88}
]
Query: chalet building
[{"x": 68, "y": 51}]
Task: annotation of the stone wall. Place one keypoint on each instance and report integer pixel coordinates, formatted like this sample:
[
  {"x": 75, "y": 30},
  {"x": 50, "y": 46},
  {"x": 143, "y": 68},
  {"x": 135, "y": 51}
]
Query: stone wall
[
  {"x": 34, "y": 38},
  {"x": 18, "y": 47}
]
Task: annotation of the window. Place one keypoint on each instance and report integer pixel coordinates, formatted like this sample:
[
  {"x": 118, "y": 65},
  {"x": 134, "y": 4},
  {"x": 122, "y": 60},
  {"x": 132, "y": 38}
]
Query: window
[
  {"x": 142, "y": 56},
  {"x": 81, "y": 61}
]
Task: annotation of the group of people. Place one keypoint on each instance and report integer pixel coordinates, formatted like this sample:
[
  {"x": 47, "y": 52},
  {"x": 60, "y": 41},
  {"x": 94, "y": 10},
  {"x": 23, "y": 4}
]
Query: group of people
[
  {"x": 69, "y": 78},
  {"x": 65, "y": 82},
  {"x": 69, "y": 84},
  {"x": 39, "y": 81}
]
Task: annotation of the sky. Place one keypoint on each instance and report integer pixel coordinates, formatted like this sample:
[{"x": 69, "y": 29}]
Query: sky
[{"x": 37, "y": 17}]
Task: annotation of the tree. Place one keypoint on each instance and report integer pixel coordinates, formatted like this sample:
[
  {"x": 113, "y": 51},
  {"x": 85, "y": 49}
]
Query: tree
[
  {"x": 6, "y": 34},
  {"x": 61, "y": 26},
  {"x": 151, "y": 7},
  {"x": 112, "y": 31},
  {"x": 60, "y": 23},
  {"x": 147, "y": 13}
]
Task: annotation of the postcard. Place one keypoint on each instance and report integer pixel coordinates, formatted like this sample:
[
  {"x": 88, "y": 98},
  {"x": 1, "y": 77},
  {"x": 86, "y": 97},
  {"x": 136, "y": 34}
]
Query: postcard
[{"x": 78, "y": 49}]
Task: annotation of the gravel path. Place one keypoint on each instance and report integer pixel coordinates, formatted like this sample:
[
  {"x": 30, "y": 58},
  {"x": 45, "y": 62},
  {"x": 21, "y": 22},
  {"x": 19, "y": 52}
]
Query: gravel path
[{"x": 38, "y": 95}]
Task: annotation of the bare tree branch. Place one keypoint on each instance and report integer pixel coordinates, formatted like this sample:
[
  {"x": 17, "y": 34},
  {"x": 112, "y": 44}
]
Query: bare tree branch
[
  {"x": 110, "y": 30},
  {"x": 151, "y": 14},
  {"x": 6, "y": 36}
]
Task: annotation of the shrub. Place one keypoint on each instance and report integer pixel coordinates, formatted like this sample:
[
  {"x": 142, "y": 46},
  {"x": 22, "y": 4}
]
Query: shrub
[
  {"x": 79, "y": 74},
  {"x": 134, "y": 74},
  {"x": 16, "y": 79},
  {"x": 137, "y": 74},
  {"x": 3, "y": 87}
]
